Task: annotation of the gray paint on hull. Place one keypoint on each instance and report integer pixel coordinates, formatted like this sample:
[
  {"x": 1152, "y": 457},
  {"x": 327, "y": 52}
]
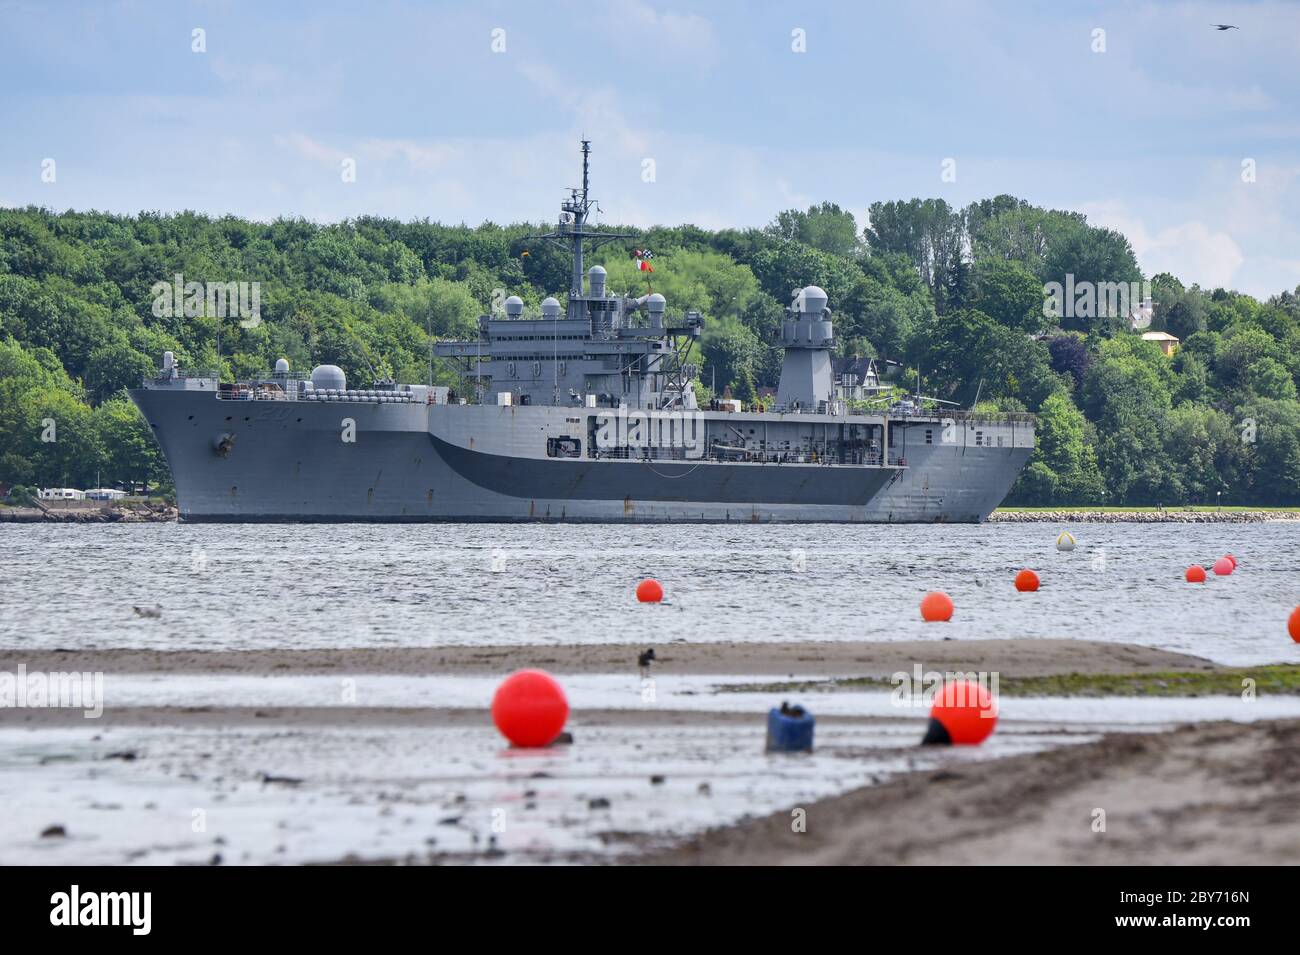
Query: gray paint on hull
[
  {"x": 288, "y": 464},
  {"x": 664, "y": 481}
]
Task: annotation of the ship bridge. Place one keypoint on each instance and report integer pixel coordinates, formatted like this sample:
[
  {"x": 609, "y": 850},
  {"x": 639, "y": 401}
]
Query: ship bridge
[{"x": 598, "y": 350}]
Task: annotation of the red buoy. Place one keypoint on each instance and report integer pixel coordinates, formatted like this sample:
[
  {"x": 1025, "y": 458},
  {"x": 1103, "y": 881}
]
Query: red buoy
[
  {"x": 1293, "y": 625},
  {"x": 1233, "y": 559},
  {"x": 529, "y": 708},
  {"x": 936, "y": 607},
  {"x": 963, "y": 713},
  {"x": 1026, "y": 581},
  {"x": 1195, "y": 574},
  {"x": 1223, "y": 567},
  {"x": 649, "y": 591}
]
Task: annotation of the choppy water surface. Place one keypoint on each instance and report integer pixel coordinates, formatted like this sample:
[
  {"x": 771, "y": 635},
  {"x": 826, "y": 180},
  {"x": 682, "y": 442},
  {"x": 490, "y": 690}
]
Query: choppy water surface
[{"x": 242, "y": 586}]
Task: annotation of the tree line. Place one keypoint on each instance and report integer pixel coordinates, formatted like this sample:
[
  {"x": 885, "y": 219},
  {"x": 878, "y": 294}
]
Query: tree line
[{"x": 954, "y": 296}]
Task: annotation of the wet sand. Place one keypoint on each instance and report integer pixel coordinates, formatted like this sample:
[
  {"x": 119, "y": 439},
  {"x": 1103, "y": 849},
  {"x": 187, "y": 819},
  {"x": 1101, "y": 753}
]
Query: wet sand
[
  {"x": 1206, "y": 794},
  {"x": 1030, "y": 657},
  {"x": 1219, "y": 793},
  {"x": 321, "y": 717}
]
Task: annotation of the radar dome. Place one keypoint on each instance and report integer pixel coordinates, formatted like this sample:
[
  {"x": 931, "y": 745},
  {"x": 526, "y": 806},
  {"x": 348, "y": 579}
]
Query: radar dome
[
  {"x": 329, "y": 376},
  {"x": 514, "y": 306},
  {"x": 550, "y": 308},
  {"x": 282, "y": 366},
  {"x": 813, "y": 300}
]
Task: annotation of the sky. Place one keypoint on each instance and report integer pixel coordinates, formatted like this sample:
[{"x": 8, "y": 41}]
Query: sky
[{"x": 721, "y": 114}]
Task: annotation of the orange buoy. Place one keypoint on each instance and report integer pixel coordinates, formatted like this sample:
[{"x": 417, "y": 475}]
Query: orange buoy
[
  {"x": 1293, "y": 625},
  {"x": 963, "y": 713},
  {"x": 1026, "y": 581},
  {"x": 1195, "y": 574},
  {"x": 649, "y": 591},
  {"x": 1223, "y": 567},
  {"x": 936, "y": 607},
  {"x": 529, "y": 708}
]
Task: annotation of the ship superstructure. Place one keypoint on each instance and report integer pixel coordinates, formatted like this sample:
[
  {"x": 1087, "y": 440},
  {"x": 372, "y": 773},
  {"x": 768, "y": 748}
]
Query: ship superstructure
[{"x": 584, "y": 412}]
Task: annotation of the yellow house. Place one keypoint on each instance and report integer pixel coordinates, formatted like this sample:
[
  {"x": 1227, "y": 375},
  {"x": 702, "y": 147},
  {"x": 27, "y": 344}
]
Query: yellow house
[{"x": 1168, "y": 343}]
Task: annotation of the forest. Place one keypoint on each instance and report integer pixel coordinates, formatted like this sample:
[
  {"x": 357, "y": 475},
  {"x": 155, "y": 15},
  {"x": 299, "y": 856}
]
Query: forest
[{"x": 956, "y": 293}]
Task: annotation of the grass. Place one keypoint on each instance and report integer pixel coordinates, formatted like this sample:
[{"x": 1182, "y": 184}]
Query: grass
[{"x": 1281, "y": 679}]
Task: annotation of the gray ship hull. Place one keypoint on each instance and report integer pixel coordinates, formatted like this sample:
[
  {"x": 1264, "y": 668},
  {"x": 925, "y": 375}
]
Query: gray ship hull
[{"x": 285, "y": 462}]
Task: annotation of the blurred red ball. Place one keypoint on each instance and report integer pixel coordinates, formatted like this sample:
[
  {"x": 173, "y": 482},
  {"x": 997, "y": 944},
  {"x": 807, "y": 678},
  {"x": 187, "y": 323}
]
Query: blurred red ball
[
  {"x": 965, "y": 711},
  {"x": 529, "y": 708}
]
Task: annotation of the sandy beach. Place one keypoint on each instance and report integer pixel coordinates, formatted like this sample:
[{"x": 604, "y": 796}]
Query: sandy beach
[
  {"x": 1017, "y": 657},
  {"x": 1209, "y": 794}
]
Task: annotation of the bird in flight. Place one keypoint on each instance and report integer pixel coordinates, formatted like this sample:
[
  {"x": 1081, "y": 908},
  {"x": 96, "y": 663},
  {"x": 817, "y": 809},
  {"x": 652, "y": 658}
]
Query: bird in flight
[{"x": 1224, "y": 26}]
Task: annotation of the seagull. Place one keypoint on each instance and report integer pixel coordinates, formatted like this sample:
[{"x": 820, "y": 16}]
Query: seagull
[
  {"x": 1224, "y": 26},
  {"x": 644, "y": 660}
]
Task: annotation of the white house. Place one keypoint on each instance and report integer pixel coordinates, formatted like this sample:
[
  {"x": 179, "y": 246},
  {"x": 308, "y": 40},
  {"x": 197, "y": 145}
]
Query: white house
[
  {"x": 61, "y": 494},
  {"x": 104, "y": 494},
  {"x": 856, "y": 378}
]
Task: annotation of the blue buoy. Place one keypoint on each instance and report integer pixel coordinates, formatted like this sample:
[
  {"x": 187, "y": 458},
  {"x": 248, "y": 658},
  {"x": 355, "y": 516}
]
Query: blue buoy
[{"x": 789, "y": 729}]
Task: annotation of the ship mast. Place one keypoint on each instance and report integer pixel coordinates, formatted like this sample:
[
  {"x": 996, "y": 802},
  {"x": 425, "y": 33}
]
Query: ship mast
[
  {"x": 578, "y": 205},
  {"x": 572, "y": 232}
]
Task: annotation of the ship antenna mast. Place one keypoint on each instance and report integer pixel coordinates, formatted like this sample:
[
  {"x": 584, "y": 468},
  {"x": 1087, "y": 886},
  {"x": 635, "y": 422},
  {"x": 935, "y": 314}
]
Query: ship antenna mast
[
  {"x": 572, "y": 232},
  {"x": 578, "y": 206}
]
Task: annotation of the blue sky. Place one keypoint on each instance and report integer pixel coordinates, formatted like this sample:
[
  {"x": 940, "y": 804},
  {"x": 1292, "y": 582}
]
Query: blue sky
[{"x": 1148, "y": 136}]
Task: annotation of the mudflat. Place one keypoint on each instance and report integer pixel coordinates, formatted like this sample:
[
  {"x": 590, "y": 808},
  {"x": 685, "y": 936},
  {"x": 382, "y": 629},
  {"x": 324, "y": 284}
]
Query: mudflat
[{"x": 1024, "y": 657}]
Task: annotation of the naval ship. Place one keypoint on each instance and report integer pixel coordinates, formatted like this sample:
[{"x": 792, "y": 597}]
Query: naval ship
[{"x": 584, "y": 412}]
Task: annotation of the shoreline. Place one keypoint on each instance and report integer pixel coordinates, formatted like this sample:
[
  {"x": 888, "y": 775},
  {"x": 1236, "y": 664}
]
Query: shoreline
[
  {"x": 108, "y": 513},
  {"x": 142, "y": 513},
  {"x": 1166, "y": 516},
  {"x": 1200, "y": 794}
]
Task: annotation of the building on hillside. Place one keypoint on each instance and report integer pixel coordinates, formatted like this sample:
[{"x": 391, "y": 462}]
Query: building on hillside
[
  {"x": 856, "y": 378},
  {"x": 1166, "y": 342},
  {"x": 61, "y": 494},
  {"x": 1140, "y": 318},
  {"x": 104, "y": 494}
]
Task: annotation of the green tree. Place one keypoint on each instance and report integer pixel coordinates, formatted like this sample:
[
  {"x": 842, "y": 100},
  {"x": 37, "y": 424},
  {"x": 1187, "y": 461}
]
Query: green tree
[
  {"x": 825, "y": 227},
  {"x": 111, "y": 368},
  {"x": 1009, "y": 293}
]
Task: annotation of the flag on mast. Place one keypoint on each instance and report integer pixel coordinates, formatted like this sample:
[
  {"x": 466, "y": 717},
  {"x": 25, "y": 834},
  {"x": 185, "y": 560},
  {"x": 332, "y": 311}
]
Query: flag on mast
[{"x": 643, "y": 257}]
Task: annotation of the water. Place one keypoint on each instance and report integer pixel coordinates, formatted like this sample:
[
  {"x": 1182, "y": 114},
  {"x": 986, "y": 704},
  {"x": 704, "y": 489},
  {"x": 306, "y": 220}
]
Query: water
[
  {"x": 673, "y": 692},
  {"x": 300, "y": 586}
]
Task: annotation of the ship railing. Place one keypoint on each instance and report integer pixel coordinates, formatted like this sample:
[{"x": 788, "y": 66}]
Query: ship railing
[
  {"x": 164, "y": 375},
  {"x": 274, "y": 391},
  {"x": 363, "y": 396},
  {"x": 858, "y": 458},
  {"x": 973, "y": 417}
]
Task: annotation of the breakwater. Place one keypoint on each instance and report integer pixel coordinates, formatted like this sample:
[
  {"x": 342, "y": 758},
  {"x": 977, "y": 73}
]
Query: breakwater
[{"x": 1141, "y": 517}]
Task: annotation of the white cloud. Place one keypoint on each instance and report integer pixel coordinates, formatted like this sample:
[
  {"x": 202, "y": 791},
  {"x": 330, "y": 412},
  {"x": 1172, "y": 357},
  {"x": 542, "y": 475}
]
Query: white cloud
[
  {"x": 658, "y": 34},
  {"x": 1191, "y": 250},
  {"x": 310, "y": 149}
]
